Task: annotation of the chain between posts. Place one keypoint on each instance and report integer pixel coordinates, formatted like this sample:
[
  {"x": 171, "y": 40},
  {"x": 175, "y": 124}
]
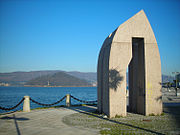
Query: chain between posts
[
  {"x": 83, "y": 101},
  {"x": 8, "y": 109},
  {"x": 48, "y": 104}
]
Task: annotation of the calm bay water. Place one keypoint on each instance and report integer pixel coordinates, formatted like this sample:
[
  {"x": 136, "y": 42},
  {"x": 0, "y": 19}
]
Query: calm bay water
[{"x": 10, "y": 96}]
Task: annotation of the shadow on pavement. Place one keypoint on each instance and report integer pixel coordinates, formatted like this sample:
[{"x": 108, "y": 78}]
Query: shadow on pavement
[
  {"x": 14, "y": 117},
  {"x": 15, "y": 121}
]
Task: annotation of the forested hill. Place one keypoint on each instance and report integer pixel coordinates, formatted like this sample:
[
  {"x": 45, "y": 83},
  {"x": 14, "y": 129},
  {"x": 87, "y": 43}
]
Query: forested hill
[{"x": 57, "y": 79}]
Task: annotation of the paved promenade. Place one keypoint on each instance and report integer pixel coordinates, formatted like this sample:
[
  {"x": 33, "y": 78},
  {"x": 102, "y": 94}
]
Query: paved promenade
[{"x": 43, "y": 122}]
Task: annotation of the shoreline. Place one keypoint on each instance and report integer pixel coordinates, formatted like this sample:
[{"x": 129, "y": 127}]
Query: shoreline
[{"x": 48, "y": 86}]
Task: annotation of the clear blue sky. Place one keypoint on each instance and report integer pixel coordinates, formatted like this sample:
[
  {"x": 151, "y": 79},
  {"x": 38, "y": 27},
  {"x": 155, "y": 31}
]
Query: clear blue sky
[{"x": 67, "y": 35}]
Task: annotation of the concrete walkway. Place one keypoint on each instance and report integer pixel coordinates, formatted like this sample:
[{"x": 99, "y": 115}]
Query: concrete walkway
[{"x": 43, "y": 122}]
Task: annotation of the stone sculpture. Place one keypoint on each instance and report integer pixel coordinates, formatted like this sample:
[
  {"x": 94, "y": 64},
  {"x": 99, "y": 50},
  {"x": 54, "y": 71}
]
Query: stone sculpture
[{"x": 131, "y": 46}]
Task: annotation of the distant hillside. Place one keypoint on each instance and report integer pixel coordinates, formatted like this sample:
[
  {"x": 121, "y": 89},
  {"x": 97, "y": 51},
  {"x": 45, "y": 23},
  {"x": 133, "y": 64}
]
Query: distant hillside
[
  {"x": 166, "y": 78},
  {"x": 20, "y": 78},
  {"x": 89, "y": 76},
  {"x": 57, "y": 79}
]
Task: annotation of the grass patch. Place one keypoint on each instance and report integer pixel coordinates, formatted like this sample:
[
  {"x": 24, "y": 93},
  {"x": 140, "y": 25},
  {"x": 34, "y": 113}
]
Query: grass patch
[
  {"x": 118, "y": 116},
  {"x": 152, "y": 114},
  {"x": 132, "y": 124},
  {"x": 47, "y": 107}
]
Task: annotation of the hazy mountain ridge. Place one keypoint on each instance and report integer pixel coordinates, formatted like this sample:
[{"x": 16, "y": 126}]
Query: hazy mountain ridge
[
  {"x": 89, "y": 76},
  {"x": 166, "y": 78},
  {"x": 21, "y": 78},
  {"x": 57, "y": 79},
  {"x": 24, "y": 76}
]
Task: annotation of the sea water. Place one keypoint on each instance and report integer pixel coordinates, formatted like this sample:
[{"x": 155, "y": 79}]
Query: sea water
[{"x": 10, "y": 96}]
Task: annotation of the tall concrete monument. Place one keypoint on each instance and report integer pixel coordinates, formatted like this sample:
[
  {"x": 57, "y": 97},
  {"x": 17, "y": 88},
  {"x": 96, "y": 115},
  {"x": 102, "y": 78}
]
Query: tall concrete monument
[{"x": 133, "y": 47}]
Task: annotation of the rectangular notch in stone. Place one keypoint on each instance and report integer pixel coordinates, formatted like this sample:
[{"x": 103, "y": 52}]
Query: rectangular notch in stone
[{"x": 137, "y": 77}]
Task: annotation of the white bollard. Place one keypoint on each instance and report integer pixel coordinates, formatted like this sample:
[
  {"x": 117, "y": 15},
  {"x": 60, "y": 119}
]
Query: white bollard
[
  {"x": 68, "y": 100},
  {"x": 26, "y": 105}
]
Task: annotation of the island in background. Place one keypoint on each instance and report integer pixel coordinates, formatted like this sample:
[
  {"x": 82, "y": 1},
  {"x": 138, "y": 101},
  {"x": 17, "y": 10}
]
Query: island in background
[
  {"x": 55, "y": 78},
  {"x": 51, "y": 78}
]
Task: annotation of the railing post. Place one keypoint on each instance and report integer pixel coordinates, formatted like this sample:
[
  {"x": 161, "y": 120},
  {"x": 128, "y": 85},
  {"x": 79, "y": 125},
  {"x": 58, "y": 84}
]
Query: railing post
[
  {"x": 26, "y": 105},
  {"x": 68, "y": 100}
]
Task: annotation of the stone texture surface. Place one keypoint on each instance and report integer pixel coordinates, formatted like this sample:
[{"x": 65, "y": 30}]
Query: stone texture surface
[
  {"x": 68, "y": 100},
  {"x": 26, "y": 104},
  {"x": 115, "y": 57}
]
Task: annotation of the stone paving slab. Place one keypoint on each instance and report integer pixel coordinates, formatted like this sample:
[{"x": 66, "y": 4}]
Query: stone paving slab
[{"x": 43, "y": 122}]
